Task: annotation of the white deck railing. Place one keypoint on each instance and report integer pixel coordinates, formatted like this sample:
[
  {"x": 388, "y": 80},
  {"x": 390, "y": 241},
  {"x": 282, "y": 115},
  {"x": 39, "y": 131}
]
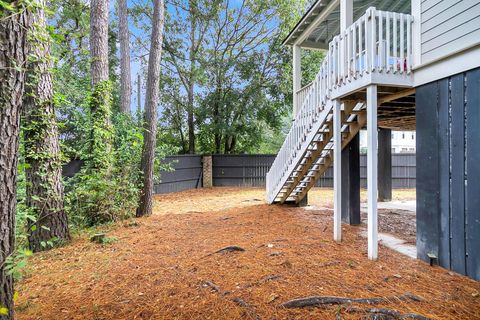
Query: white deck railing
[{"x": 379, "y": 42}]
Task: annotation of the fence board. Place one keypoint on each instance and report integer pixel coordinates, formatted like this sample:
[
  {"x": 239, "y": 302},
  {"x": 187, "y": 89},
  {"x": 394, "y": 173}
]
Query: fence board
[
  {"x": 250, "y": 171},
  {"x": 186, "y": 175}
]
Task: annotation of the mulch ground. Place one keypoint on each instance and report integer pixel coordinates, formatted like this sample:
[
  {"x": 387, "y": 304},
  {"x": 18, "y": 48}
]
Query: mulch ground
[{"x": 160, "y": 267}]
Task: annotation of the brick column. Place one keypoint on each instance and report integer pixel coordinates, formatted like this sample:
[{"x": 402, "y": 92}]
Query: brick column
[{"x": 207, "y": 171}]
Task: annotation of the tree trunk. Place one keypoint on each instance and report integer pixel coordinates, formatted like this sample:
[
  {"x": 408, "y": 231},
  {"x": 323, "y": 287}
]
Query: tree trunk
[
  {"x": 191, "y": 82},
  {"x": 42, "y": 150},
  {"x": 139, "y": 100},
  {"x": 151, "y": 102},
  {"x": 124, "y": 37},
  {"x": 13, "y": 53},
  {"x": 99, "y": 40},
  {"x": 101, "y": 100},
  {"x": 191, "y": 123}
]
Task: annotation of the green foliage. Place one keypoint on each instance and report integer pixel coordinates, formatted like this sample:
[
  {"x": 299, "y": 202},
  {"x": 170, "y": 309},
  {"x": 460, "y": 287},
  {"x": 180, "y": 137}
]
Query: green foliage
[
  {"x": 99, "y": 149},
  {"x": 107, "y": 188},
  {"x": 15, "y": 264},
  {"x": 109, "y": 240}
]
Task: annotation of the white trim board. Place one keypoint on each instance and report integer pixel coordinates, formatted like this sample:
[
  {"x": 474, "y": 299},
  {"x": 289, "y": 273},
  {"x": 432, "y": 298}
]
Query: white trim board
[{"x": 460, "y": 62}]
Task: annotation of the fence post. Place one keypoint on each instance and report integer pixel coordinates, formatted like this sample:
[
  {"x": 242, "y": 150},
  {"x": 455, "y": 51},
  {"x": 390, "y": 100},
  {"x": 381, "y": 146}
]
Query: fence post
[{"x": 207, "y": 171}]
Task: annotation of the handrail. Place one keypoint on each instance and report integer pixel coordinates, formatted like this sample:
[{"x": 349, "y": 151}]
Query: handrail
[
  {"x": 378, "y": 42},
  {"x": 301, "y": 94}
]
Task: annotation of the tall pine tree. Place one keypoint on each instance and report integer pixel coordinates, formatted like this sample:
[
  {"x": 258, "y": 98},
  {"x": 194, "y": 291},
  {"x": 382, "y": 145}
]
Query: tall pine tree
[{"x": 42, "y": 150}]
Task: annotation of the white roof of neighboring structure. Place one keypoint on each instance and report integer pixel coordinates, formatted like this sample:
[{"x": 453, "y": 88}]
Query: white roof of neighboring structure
[{"x": 321, "y": 22}]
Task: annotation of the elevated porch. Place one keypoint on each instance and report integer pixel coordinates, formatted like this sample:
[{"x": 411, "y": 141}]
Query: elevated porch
[{"x": 366, "y": 79}]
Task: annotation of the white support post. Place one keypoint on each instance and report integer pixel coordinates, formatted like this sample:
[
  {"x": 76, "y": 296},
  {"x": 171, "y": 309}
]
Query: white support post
[
  {"x": 337, "y": 171},
  {"x": 346, "y": 14},
  {"x": 297, "y": 76},
  {"x": 416, "y": 32},
  {"x": 372, "y": 171}
]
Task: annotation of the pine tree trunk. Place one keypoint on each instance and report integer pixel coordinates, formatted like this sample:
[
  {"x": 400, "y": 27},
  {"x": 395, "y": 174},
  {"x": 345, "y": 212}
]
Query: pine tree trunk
[
  {"x": 191, "y": 83},
  {"x": 191, "y": 123},
  {"x": 139, "y": 100},
  {"x": 99, "y": 40},
  {"x": 13, "y": 53},
  {"x": 151, "y": 102},
  {"x": 100, "y": 105},
  {"x": 42, "y": 150},
  {"x": 125, "y": 75}
]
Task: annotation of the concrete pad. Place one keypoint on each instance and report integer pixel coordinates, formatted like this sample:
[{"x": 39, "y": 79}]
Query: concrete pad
[
  {"x": 410, "y": 205},
  {"x": 395, "y": 243}
]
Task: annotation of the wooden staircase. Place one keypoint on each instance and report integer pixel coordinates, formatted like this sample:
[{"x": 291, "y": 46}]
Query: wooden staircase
[
  {"x": 319, "y": 155},
  {"x": 375, "y": 50}
]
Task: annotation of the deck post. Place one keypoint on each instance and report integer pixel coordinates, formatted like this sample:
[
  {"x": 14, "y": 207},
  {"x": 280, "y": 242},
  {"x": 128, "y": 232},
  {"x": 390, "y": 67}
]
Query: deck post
[
  {"x": 297, "y": 76},
  {"x": 372, "y": 171},
  {"x": 384, "y": 165},
  {"x": 337, "y": 171},
  {"x": 346, "y": 14},
  {"x": 351, "y": 182}
]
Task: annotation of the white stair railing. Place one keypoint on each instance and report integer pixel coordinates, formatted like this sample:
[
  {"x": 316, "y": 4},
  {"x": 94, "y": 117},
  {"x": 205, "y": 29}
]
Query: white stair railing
[
  {"x": 377, "y": 42},
  {"x": 301, "y": 94}
]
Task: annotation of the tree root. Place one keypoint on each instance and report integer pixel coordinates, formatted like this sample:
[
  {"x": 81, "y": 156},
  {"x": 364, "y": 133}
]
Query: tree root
[
  {"x": 227, "y": 249},
  {"x": 382, "y": 313},
  {"x": 263, "y": 280},
  {"x": 316, "y": 301},
  {"x": 214, "y": 287},
  {"x": 249, "y": 310}
]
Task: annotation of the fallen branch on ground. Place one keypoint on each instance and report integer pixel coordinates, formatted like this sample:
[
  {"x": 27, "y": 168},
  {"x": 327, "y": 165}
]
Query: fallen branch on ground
[{"x": 316, "y": 301}]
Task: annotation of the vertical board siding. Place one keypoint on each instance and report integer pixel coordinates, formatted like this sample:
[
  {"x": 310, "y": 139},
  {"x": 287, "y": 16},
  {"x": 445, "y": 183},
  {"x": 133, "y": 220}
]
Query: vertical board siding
[
  {"x": 443, "y": 101},
  {"x": 427, "y": 171},
  {"x": 457, "y": 190},
  {"x": 448, "y": 184},
  {"x": 472, "y": 95},
  {"x": 186, "y": 174},
  {"x": 447, "y": 27}
]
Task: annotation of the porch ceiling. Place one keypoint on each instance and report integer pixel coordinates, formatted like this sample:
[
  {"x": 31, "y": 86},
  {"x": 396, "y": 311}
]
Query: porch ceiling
[{"x": 322, "y": 21}]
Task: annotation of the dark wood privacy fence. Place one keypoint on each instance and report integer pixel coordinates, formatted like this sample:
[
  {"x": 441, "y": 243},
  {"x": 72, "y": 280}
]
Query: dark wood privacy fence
[
  {"x": 241, "y": 170},
  {"x": 250, "y": 171},
  {"x": 187, "y": 174}
]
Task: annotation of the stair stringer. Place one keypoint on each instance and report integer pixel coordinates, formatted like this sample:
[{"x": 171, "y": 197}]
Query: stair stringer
[
  {"x": 355, "y": 127},
  {"x": 316, "y": 126},
  {"x": 311, "y": 163}
]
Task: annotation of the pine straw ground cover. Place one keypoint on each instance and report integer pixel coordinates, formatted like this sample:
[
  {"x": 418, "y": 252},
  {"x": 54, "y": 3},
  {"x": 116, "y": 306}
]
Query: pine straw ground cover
[{"x": 159, "y": 267}]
